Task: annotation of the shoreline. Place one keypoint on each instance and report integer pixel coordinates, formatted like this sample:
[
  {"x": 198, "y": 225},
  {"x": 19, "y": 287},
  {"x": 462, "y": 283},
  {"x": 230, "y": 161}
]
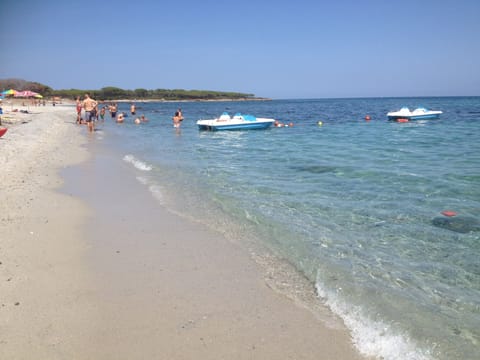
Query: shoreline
[{"x": 127, "y": 278}]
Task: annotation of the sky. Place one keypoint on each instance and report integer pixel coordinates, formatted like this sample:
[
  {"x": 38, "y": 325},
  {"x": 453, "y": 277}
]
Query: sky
[{"x": 270, "y": 48}]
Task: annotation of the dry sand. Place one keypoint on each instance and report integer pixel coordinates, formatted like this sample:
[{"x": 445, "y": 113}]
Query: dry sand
[
  {"x": 42, "y": 273},
  {"x": 84, "y": 274}
]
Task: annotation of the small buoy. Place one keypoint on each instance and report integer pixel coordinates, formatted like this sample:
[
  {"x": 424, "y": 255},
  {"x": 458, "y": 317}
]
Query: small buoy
[
  {"x": 449, "y": 213},
  {"x": 367, "y": 118},
  {"x": 402, "y": 120},
  {"x": 320, "y": 123}
]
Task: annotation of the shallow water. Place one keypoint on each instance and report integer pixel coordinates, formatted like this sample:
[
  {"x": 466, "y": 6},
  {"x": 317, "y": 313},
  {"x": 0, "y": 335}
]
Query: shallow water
[{"x": 355, "y": 205}]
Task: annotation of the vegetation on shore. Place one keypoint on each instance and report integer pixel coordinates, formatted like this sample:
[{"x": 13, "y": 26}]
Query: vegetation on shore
[{"x": 114, "y": 93}]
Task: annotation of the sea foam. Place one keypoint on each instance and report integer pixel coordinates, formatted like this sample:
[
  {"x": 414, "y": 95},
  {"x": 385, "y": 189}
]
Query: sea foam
[
  {"x": 157, "y": 193},
  {"x": 140, "y": 165},
  {"x": 154, "y": 189},
  {"x": 372, "y": 338}
]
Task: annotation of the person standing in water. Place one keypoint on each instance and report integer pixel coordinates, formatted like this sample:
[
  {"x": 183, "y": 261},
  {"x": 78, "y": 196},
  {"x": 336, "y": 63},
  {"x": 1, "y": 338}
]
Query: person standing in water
[
  {"x": 177, "y": 118},
  {"x": 102, "y": 114},
  {"x": 113, "y": 110}
]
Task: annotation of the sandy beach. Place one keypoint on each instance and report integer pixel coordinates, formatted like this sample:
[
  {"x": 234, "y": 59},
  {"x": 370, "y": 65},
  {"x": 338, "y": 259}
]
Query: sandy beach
[{"x": 86, "y": 274}]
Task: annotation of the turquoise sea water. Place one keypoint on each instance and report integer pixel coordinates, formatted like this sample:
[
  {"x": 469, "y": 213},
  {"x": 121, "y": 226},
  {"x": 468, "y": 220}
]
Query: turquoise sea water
[{"x": 354, "y": 205}]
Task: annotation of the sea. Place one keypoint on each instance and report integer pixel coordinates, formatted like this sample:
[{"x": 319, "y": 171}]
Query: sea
[{"x": 352, "y": 205}]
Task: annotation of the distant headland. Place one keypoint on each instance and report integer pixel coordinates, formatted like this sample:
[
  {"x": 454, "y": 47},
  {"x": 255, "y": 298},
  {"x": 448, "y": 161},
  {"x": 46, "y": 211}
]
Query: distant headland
[{"x": 118, "y": 94}]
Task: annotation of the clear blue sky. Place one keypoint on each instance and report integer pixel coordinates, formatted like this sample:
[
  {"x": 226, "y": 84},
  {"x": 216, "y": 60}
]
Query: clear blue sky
[{"x": 272, "y": 48}]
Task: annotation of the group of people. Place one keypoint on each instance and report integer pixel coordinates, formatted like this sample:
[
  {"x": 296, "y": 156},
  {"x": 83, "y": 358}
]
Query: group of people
[
  {"x": 92, "y": 113},
  {"x": 121, "y": 117}
]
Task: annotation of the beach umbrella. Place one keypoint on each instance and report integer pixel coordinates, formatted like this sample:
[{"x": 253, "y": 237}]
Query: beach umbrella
[
  {"x": 26, "y": 93},
  {"x": 9, "y": 92}
]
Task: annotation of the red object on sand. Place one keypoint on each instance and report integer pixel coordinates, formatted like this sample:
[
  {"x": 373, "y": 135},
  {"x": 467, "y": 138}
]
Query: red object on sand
[
  {"x": 3, "y": 131},
  {"x": 449, "y": 213}
]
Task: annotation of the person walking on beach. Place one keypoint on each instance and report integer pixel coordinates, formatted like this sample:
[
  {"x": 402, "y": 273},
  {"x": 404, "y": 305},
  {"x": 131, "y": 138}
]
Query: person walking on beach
[
  {"x": 89, "y": 105},
  {"x": 79, "y": 110}
]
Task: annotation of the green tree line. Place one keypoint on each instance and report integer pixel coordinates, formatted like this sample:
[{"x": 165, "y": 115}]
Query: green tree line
[{"x": 115, "y": 93}]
